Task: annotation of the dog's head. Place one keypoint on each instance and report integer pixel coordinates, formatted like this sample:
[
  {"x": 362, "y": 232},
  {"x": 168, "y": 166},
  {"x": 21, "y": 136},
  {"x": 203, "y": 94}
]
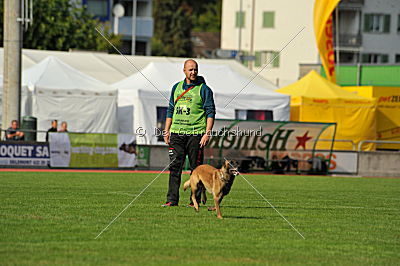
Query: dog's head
[{"x": 230, "y": 167}]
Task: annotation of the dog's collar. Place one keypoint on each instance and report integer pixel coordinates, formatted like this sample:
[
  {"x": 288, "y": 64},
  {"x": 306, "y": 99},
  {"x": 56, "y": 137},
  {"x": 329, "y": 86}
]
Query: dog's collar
[{"x": 222, "y": 177}]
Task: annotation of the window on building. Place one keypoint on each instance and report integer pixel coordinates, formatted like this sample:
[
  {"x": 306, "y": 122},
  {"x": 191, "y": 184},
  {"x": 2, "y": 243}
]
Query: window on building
[
  {"x": 142, "y": 8},
  {"x": 398, "y": 24},
  {"x": 98, "y": 8},
  {"x": 240, "y": 15},
  {"x": 161, "y": 116},
  {"x": 397, "y": 60},
  {"x": 268, "y": 19},
  {"x": 376, "y": 23},
  {"x": 375, "y": 58},
  {"x": 265, "y": 57},
  {"x": 262, "y": 115},
  {"x": 128, "y": 6}
]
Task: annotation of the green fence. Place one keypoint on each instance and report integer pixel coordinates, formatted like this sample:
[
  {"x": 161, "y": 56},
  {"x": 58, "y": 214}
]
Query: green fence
[{"x": 367, "y": 75}]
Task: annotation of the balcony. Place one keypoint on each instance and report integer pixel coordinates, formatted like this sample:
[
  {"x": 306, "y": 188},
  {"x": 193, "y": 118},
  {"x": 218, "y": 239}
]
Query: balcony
[
  {"x": 144, "y": 26},
  {"x": 351, "y": 4},
  {"x": 350, "y": 40}
]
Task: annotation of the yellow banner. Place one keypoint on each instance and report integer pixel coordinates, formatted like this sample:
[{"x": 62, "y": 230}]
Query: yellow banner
[{"x": 323, "y": 29}]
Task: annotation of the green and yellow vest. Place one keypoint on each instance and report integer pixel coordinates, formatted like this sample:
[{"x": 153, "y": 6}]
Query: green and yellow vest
[{"x": 189, "y": 116}]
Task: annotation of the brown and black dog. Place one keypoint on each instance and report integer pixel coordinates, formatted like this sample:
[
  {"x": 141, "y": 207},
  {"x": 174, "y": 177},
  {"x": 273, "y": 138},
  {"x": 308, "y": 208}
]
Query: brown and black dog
[{"x": 218, "y": 182}]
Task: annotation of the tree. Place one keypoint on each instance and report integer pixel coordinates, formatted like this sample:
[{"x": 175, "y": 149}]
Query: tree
[
  {"x": 62, "y": 25},
  {"x": 174, "y": 21},
  {"x": 172, "y": 28},
  {"x": 207, "y": 15}
]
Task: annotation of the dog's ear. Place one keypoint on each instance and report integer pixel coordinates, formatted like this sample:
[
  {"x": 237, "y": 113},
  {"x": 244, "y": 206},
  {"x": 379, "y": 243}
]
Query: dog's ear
[{"x": 226, "y": 164}]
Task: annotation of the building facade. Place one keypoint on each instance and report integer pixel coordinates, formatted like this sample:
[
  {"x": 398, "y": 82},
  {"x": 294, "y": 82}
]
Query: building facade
[
  {"x": 144, "y": 23},
  {"x": 368, "y": 31}
]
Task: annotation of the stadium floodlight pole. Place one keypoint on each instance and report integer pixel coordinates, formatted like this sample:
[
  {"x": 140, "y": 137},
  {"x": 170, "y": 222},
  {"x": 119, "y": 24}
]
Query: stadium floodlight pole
[
  {"x": 11, "y": 97},
  {"x": 270, "y": 61},
  {"x": 130, "y": 203},
  {"x": 262, "y": 196}
]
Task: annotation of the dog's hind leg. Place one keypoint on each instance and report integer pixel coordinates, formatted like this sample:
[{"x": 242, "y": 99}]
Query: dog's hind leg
[
  {"x": 196, "y": 205},
  {"x": 194, "y": 188},
  {"x": 203, "y": 196}
]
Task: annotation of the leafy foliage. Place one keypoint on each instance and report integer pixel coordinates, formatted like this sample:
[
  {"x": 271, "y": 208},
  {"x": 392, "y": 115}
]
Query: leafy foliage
[
  {"x": 175, "y": 21},
  {"x": 172, "y": 28},
  {"x": 62, "y": 25},
  {"x": 207, "y": 15}
]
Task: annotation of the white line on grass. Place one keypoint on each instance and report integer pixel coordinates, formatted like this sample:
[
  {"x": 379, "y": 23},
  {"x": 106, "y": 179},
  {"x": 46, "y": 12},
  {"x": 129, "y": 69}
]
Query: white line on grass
[
  {"x": 127, "y": 206},
  {"x": 268, "y": 202}
]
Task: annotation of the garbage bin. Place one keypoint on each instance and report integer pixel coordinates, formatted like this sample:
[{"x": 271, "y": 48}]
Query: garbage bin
[{"x": 29, "y": 127}]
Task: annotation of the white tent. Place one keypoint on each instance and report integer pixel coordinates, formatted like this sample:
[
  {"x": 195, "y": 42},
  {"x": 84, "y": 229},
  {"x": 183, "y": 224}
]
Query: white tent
[
  {"x": 111, "y": 68},
  {"x": 26, "y": 101},
  {"x": 140, "y": 95},
  {"x": 66, "y": 94}
]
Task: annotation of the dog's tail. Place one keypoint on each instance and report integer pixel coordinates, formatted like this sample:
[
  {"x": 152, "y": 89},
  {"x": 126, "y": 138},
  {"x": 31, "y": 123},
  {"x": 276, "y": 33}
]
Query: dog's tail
[{"x": 186, "y": 185}]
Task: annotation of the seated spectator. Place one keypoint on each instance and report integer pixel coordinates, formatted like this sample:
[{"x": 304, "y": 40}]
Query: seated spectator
[
  {"x": 287, "y": 163},
  {"x": 13, "y": 132},
  {"x": 53, "y": 128},
  {"x": 276, "y": 165},
  {"x": 64, "y": 126}
]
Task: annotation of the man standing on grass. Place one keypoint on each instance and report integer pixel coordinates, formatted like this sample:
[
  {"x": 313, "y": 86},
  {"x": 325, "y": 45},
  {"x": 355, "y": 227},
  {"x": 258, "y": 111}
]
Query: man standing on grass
[{"x": 188, "y": 126}]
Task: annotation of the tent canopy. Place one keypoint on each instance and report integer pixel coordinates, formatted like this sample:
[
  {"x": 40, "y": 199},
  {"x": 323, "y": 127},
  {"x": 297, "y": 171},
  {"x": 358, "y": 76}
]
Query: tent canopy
[
  {"x": 388, "y": 111},
  {"x": 111, "y": 68},
  {"x": 64, "y": 93},
  {"x": 314, "y": 86},
  {"x": 232, "y": 91},
  {"x": 52, "y": 73},
  {"x": 315, "y": 99}
]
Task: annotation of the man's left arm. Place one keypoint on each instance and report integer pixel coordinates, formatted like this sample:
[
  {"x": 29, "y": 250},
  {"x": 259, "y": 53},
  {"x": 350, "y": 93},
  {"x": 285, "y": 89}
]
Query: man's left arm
[{"x": 209, "y": 108}]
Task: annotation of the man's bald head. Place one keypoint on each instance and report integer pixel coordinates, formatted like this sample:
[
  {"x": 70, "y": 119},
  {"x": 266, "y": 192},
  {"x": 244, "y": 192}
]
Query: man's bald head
[
  {"x": 190, "y": 68},
  {"x": 189, "y": 61}
]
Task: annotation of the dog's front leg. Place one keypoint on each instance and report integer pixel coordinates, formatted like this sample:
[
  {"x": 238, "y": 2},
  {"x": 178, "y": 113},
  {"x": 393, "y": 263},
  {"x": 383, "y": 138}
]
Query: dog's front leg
[
  {"x": 217, "y": 200},
  {"x": 213, "y": 207}
]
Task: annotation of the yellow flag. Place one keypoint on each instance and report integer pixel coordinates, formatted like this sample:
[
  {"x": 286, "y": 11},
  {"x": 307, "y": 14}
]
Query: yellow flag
[{"x": 323, "y": 29}]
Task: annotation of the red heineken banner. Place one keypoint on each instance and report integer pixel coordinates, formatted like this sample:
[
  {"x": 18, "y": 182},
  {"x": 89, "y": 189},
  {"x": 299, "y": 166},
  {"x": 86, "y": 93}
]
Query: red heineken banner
[{"x": 272, "y": 141}]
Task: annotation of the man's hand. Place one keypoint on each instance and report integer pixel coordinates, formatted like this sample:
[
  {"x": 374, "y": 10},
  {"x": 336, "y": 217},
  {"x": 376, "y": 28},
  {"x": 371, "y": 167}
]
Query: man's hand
[
  {"x": 167, "y": 135},
  {"x": 204, "y": 140}
]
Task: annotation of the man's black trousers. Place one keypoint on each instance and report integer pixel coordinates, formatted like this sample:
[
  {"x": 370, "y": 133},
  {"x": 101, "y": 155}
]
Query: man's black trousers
[{"x": 180, "y": 146}]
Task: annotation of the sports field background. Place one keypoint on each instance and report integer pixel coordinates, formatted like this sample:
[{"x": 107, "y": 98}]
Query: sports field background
[{"x": 53, "y": 218}]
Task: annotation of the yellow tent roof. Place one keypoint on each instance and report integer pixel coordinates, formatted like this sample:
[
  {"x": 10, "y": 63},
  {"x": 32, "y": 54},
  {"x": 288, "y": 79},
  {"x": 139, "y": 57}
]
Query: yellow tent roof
[{"x": 314, "y": 86}]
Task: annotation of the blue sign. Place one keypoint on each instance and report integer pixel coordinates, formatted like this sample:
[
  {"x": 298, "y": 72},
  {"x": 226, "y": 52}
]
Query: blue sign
[{"x": 24, "y": 154}]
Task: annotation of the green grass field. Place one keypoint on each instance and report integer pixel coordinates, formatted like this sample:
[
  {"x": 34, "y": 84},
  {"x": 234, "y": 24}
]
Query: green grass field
[{"x": 53, "y": 218}]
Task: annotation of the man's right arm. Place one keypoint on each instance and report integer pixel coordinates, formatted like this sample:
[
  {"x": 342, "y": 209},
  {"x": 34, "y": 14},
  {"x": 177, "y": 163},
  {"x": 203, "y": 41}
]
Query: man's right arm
[
  {"x": 171, "y": 104},
  {"x": 170, "y": 113}
]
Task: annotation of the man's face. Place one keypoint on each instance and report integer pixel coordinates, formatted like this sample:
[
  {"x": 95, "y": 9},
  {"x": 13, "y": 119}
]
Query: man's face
[
  {"x": 14, "y": 125},
  {"x": 54, "y": 124},
  {"x": 190, "y": 69}
]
